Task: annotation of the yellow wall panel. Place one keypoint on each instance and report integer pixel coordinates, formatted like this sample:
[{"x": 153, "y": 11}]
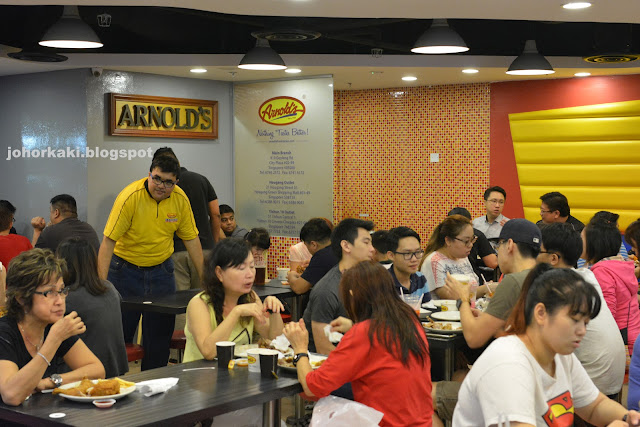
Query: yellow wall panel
[
  {"x": 591, "y": 154},
  {"x": 578, "y": 152}
]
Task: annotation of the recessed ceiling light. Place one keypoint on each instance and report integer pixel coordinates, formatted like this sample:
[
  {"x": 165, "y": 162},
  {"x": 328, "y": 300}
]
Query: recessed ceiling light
[
  {"x": 585, "y": 74},
  {"x": 293, "y": 70},
  {"x": 577, "y": 5},
  {"x": 470, "y": 71},
  {"x": 409, "y": 78},
  {"x": 198, "y": 70}
]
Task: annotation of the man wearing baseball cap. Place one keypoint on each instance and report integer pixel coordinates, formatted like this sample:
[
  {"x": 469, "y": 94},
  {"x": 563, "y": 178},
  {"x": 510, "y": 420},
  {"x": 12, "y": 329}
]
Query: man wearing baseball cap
[{"x": 518, "y": 246}]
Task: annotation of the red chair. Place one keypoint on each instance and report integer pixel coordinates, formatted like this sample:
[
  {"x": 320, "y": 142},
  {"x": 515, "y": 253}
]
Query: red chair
[
  {"x": 135, "y": 352},
  {"x": 178, "y": 342}
]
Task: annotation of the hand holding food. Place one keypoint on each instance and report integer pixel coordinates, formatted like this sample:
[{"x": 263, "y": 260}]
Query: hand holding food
[
  {"x": 272, "y": 304},
  {"x": 292, "y": 275},
  {"x": 68, "y": 326},
  {"x": 38, "y": 223},
  {"x": 298, "y": 336},
  {"x": 251, "y": 310},
  {"x": 341, "y": 324}
]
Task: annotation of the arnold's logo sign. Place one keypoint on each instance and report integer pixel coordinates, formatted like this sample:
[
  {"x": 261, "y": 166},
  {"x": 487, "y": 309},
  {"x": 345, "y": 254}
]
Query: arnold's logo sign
[{"x": 281, "y": 110}]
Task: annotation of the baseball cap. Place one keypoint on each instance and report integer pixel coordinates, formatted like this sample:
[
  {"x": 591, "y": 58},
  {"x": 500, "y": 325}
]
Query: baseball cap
[{"x": 521, "y": 231}]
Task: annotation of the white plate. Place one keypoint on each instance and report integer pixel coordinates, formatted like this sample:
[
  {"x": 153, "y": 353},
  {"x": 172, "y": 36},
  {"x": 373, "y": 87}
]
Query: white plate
[
  {"x": 313, "y": 357},
  {"x": 423, "y": 311},
  {"x": 123, "y": 392},
  {"x": 447, "y": 316},
  {"x": 429, "y": 306},
  {"x": 439, "y": 302},
  {"x": 456, "y": 328}
]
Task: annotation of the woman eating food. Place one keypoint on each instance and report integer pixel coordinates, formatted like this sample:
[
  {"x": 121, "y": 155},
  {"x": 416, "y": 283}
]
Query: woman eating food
[
  {"x": 97, "y": 302},
  {"x": 384, "y": 353},
  {"x": 530, "y": 377},
  {"x": 447, "y": 252},
  {"x": 228, "y": 309},
  {"x": 36, "y": 337}
]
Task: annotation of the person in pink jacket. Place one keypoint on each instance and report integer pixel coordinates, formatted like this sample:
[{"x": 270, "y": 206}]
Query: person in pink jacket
[{"x": 616, "y": 276}]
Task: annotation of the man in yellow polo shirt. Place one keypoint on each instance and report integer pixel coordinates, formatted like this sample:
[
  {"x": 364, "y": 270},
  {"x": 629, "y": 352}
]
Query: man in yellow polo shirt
[{"x": 135, "y": 254}]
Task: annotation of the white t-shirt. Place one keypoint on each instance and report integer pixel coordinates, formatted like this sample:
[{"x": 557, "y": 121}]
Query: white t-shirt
[
  {"x": 507, "y": 383},
  {"x": 602, "y": 351},
  {"x": 436, "y": 266}
]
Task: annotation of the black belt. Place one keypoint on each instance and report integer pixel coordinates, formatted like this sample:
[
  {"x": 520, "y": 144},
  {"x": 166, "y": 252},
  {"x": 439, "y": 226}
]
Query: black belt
[{"x": 137, "y": 266}]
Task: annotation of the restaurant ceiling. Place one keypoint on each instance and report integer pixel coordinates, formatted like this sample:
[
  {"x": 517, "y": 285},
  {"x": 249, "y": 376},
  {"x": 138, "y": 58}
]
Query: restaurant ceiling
[{"x": 169, "y": 40}]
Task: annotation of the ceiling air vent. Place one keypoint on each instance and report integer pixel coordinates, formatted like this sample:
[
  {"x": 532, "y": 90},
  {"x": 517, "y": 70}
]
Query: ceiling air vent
[
  {"x": 611, "y": 58},
  {"x": 286, "y": 35},
  {"x": 34, "y": 56}
]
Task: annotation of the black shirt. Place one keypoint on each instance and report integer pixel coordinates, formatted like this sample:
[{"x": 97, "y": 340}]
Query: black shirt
[
  {"x": 321, "y": 262},
  {"x": 200, "y": 192},
  {"x": 69, "y": 227},
  {"x": 481, "y": 248},
  {"x": 12, "y": 347}
]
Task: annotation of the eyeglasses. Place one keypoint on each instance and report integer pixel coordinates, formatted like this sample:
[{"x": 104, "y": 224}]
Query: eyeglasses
[
  {"x": 53, "y": 294},
  {"x": 159, "y": 181},
  {"x": 543, "y": 211},
  {"x": 550, "y": 253},
  {"x": 496, "y": 201},
  {"x": 408, "y": 255},
  {"x": 467, "y": 242}
]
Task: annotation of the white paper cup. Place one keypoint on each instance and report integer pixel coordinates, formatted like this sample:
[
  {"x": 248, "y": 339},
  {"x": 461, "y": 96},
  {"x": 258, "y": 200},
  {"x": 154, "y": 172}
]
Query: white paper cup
[
  {"x": 253, "y": 356},
  {"x": 282, "y": 273}
]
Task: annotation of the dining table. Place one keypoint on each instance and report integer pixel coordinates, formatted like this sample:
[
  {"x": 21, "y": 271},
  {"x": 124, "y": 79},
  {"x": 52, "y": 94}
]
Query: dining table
[{"x": 202, "y": 392}]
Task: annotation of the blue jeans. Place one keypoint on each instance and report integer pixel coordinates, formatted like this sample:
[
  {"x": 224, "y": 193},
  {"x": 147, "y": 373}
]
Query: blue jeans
[{"x": 131, "y": 280}]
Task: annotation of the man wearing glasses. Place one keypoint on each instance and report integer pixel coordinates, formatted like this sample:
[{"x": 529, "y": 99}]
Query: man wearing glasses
[
  {"x": 555, "y": 208},
  {"x": 491, "y": 224},
  {"x": 135, "y": 254},
  {"x": 406, "y": 253}
]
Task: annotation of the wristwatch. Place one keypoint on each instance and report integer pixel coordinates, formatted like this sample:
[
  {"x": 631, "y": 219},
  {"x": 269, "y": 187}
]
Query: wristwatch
[
  {"x": 56, "y": 380},
  {"x": 298, "y": 357}
]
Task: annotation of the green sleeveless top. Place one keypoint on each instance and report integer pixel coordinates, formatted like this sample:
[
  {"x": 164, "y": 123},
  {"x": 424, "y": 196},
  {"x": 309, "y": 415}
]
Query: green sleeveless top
[{"x": 240, "y": 335}]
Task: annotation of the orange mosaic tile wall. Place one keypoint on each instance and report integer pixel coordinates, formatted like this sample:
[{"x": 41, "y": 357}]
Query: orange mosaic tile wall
[{"x": 383, "y": 139}]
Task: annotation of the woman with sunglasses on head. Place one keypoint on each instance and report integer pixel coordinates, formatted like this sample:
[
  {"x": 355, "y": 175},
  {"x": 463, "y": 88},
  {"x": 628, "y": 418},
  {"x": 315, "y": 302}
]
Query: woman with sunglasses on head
[
  {"x": 228, "y": 309},
  {"x": 36, "y": 338},
  {"x": 615, "y": 275},
  {"x": 97, "y": 302},
  {"x": 530, "y": 377},
  {"x": 384, "y": 353},
  {"x": 447, "y": 252}
]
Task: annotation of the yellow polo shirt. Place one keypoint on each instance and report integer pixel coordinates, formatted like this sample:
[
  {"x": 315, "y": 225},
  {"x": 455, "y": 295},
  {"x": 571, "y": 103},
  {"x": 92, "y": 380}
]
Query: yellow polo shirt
[{"x": 143, "y": 228}]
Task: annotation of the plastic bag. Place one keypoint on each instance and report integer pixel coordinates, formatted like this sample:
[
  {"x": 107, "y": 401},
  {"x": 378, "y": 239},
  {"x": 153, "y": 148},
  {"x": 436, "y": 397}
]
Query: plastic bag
[
  {"x": 248, "y": 417},
  {"x": 333, "y": 411}
]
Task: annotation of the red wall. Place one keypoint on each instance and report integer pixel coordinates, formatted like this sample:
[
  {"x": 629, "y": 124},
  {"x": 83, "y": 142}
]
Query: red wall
[{"x": 534, "y": 95}]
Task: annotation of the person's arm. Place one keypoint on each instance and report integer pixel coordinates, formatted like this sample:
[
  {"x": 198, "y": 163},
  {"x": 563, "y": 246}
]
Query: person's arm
[
  {"x": 298, "y": 336},
  {"x": 38, "y": 223},
  {"x": 3, "y": 286},
  {"x": 273, "y": 326},
  {"x": 322, "y": 343},
  {"x": 604, "y": 411},
  {"x": 104, "y": 256},
  {"x": 83, "y": 364},
  {"x": 214, "y": 218},
  {"x": 205, "y": 336},
  {"x": 490, "y": 260},
  {"x": 195, "y": 252},
  {"x": 297, "y": 283}
]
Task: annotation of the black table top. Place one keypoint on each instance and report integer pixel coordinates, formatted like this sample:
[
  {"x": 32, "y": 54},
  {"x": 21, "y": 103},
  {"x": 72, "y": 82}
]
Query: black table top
[
  {"x": 177, "y": 303},
  {"x": 199, "y": 394}
]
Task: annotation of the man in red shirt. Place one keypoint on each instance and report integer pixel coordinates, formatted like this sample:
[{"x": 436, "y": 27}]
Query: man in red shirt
[{"x": 10, "y": 244}]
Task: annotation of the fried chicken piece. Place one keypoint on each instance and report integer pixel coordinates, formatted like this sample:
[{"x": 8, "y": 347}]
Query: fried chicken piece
[
  {"x": 105, "y": 388},
  {"x": 79, "y": 390}
]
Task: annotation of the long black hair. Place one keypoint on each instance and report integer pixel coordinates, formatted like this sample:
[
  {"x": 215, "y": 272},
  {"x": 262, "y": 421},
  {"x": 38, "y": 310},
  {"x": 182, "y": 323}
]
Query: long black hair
[
  {"x": 82, "y": 265},
  {"x": 228, "y": 253},
  {"x": 368, "y": 293}
]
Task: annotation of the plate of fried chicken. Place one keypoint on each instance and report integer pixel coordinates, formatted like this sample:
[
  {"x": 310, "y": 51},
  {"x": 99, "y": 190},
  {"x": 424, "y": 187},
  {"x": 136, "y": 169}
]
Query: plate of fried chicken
[{"x": 90, "y": 390}]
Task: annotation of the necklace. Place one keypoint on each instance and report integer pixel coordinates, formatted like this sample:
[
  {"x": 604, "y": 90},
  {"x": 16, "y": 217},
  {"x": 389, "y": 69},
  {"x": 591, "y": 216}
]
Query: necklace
[{"x": 24, "y": 334}]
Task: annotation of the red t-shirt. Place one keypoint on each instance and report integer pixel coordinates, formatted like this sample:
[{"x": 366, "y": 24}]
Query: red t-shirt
[
  {"x": 378, "y": 379},
  {"x": 11, "y": 245}
]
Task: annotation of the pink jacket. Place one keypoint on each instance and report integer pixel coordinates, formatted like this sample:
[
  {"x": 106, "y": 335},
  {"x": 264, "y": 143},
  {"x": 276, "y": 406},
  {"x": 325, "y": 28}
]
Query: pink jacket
[{"x": 620, "y": 288}]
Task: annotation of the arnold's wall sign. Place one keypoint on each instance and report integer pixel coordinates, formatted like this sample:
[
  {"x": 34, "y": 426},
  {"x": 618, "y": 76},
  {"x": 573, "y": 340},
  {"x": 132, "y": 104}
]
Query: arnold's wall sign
[{"x": 156, "y": 116}]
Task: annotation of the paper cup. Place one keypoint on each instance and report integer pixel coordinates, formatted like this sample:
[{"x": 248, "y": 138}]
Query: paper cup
[
  {"x": 282, "y": 274},
  {"x": 268, "y": 363},
  {"x": 225, "y": 353},
  {"x": 253, "y": 356}
]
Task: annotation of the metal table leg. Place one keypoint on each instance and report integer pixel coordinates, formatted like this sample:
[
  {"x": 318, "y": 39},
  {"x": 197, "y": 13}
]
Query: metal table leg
[
  {"x": 449, "y": 362},
  {"x": 295, "y": 308},
  {"x": 271, "y": 413}
]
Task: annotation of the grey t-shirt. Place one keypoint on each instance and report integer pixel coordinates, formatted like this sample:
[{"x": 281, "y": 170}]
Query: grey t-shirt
[
  {"x": 507, "y": 294},
  {"x": 69, "y": 227},
  {"x": 324, "y": 302}
]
